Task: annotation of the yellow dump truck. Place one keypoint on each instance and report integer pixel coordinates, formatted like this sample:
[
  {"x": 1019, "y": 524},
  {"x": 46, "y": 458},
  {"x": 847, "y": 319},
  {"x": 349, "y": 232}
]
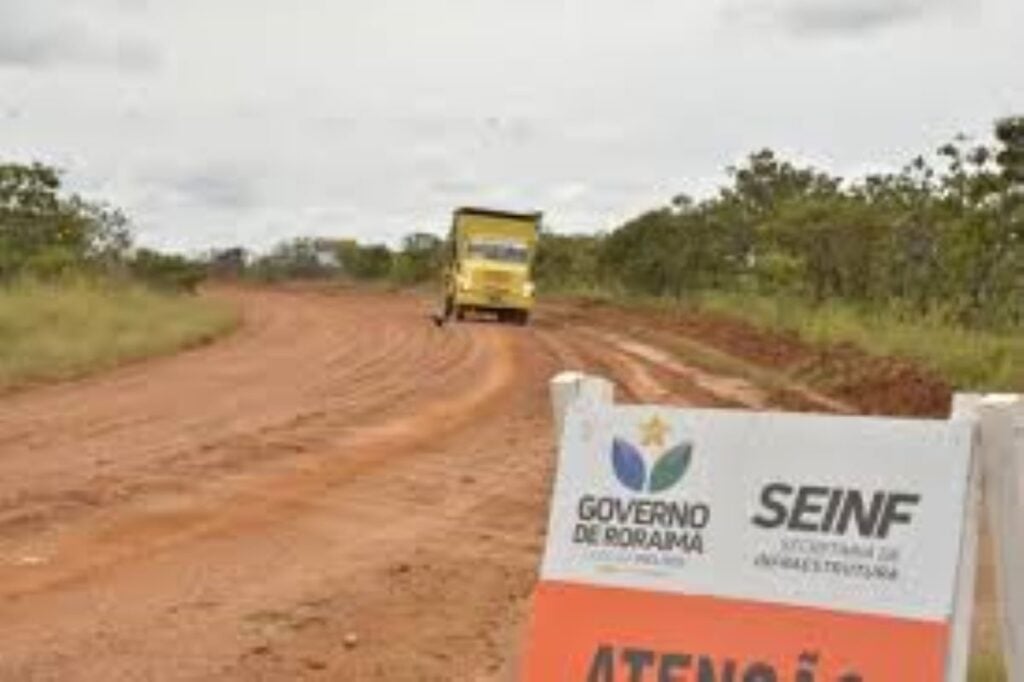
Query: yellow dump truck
[{"x": 490, "y": 256}]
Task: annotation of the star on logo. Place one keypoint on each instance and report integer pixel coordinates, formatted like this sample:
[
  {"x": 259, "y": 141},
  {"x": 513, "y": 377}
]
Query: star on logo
[{"x": 653, "y": 431}]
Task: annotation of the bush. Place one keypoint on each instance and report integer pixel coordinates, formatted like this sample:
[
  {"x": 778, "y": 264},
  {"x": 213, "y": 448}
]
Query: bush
[
  {"x": 58, "y": 329},
  {"x": 164, "y": 271},
  {"x": 45, "y": 234}
]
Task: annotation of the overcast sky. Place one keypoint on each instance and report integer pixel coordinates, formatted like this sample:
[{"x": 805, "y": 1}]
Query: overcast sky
[{"x": 220, "y": 122}]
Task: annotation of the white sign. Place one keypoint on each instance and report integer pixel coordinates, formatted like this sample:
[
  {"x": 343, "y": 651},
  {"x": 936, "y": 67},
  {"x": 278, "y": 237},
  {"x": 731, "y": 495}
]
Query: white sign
[
  {"x": 848, "y": 513},
  {"x": 803, "y": 522}
]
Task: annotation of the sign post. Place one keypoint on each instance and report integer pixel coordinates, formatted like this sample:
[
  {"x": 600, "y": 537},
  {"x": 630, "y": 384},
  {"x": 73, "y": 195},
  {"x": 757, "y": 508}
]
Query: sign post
[
  {"x": 736, "y": 546},
  {"x": 1001, "y": 437}
]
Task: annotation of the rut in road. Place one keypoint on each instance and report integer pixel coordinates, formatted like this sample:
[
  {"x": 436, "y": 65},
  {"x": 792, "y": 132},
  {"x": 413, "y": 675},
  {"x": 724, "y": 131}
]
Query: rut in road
[{"x": 339, "y": 468}]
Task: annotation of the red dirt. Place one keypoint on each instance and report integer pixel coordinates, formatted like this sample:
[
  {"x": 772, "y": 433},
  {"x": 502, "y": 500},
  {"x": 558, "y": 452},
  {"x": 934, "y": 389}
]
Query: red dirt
[
  {"x": 868, "y": 384},
  {"x": 339, "y": 490}
]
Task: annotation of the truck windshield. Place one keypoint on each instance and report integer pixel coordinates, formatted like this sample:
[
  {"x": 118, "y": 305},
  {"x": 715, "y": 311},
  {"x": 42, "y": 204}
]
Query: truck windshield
[{"x": 503, "y": 252}]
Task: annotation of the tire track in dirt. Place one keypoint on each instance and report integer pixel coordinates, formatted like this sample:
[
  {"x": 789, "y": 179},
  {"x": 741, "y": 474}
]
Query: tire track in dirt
[{"x": 339, "y": 466}]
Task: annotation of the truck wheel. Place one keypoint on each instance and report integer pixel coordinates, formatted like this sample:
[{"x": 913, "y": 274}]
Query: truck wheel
[
  {"x": 522, "y": 317},
  {"x": 460, "y": 313}
]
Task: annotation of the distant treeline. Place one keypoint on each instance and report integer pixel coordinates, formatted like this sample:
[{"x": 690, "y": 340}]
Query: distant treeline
[
  {"x": 46, "y": 234},
  {"x": 419, "y": 259},
  {"x": 942, "y": 237}
]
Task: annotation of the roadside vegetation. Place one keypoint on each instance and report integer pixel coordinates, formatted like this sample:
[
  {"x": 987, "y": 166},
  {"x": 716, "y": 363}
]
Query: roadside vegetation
[
  {"x": 56, "y": 330},
  {"x": 966, "y": 356},
  {"x": 76, "y": 296},
  {"x": 927, "y": 263}
]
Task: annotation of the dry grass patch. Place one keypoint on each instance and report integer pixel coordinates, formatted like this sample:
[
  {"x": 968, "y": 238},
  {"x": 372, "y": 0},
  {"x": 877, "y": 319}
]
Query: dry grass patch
[{"x": 60, "y": 330}]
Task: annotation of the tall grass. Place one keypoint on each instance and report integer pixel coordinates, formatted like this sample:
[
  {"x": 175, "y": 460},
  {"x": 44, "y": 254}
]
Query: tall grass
[
  {"x": 59, "y": 330},
  {"x": 967, "y": 358}
]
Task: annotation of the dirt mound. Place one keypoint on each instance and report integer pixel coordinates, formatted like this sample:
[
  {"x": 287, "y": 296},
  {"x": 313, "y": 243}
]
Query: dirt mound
[
  {"x": 869, "y": 384},
  {"x": 876, "y": 385}
]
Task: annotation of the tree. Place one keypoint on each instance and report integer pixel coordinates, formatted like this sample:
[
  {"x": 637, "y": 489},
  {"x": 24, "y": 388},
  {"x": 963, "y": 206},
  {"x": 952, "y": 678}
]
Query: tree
[
  {"x": 166, "y": 271},
  {"x": 302, "y": 257},
  {"x": 1010, "y": 133},
  {"x": 44, "y": 233},
  {"x": 567, "y": 261},
  {"x": 945, "y": 235},
  {"x": 420, "y": 258},
  {"x": 364, "y": 262},
  {"x": 229, "y": 262}
]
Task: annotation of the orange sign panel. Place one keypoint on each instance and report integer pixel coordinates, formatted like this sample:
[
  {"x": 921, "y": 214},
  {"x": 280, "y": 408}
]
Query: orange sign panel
[{"x": 586, "y": 634}]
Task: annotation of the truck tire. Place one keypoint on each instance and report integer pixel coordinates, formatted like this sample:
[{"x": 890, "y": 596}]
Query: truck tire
[{"x": 460, "y": 313}]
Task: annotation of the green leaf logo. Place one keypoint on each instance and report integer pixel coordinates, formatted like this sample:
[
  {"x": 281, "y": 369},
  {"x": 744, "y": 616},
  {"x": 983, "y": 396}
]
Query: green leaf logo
[{"x": 670, "y": 467}]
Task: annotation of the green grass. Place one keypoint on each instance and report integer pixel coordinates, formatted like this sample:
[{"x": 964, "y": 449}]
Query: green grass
[
  {"x": 986, "y": 667},
  {"x": 61, "y": 330},
  {"x": 967, "y": 358}
]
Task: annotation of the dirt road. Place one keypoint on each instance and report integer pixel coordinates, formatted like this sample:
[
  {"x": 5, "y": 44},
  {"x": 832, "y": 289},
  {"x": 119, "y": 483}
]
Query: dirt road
[{"x": 338, "y": 491}]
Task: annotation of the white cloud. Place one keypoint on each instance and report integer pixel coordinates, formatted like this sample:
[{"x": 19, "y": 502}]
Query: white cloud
[
  {"x": 569, "y": 192},
  {"x": 45, "y": 33},
  {"x": 268, "y": 119},
  {"x": 841, "y": 17}
]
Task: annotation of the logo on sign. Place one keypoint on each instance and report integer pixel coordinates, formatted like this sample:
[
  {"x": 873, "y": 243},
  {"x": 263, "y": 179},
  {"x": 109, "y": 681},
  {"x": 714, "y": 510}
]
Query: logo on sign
[
  {"x": 631, "y": 468},
  {"x": 648, "y": 528}
]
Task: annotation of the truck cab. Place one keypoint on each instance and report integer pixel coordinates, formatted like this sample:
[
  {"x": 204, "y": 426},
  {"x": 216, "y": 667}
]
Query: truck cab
[{"x": 489, "y": 265}]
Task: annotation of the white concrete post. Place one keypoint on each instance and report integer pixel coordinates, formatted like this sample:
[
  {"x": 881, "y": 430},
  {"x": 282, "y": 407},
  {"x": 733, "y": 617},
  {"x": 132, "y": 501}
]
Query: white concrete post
[
  {"x": 564, "y": 389},
  {"x": 965, "y": 407},
  {"x": 569, "y": 387},
  {"x": 1001, "y": 422},
  {"x": 1004, "y": 490}
]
